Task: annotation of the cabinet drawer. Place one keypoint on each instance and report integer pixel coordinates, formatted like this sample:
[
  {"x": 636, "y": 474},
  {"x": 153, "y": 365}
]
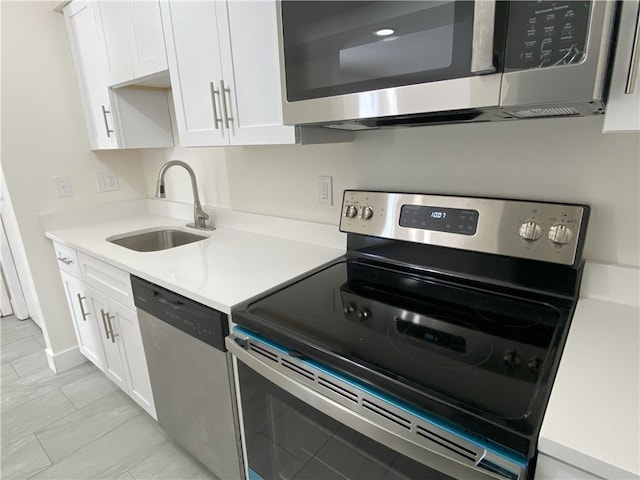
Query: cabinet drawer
[
  {"x": 67, "y": 259},
  {"x": 111, "y": 281}
]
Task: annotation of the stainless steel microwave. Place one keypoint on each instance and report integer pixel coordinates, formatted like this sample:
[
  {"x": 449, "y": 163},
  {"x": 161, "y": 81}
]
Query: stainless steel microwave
[{"x": 370, "y": 64}]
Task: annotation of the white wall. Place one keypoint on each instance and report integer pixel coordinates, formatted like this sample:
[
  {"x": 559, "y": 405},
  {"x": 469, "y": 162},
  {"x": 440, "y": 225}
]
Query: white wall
[
  {"x": 43, "y": 135},
  {"x": 565, "y": 160}
]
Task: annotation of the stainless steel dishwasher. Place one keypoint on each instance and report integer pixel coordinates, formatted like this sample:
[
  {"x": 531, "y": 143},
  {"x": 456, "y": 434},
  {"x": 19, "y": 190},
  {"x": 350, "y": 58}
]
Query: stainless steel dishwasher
[{"x": 191, "y": 375}]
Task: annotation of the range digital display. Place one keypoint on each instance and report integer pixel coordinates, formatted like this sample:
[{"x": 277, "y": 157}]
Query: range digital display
[{"x": 452, "y": 220}]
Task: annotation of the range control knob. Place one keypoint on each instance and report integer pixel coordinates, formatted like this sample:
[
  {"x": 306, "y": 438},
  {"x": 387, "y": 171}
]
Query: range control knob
[
  {"x": 349, "y": 309},
  {"x": 534, "y": 364},
  {"x": 366, "y": 213},
  {"x": 511, "y": 359},
  {"x": 530, "y": 231},
  {"x": 351, "y": 211},
  {"x": 560, "y": 234}
]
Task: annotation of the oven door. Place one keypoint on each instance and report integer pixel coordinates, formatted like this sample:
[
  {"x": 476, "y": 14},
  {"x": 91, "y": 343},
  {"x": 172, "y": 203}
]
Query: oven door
[
  {"x": 302, "y": 421},
  {"x": 363, "y": 59}
]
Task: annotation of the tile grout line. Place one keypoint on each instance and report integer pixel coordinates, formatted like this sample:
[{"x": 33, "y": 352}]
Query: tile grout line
[
  {"x": 168, "y": 441},
  {"x": 45, "y": 426},
  {"x": 47, "y": 455},
  {"x": 86, "y": 444}
]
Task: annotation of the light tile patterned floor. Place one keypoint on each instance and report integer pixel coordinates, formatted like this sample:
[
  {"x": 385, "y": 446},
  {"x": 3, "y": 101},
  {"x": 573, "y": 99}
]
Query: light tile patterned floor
[{"x": 77, "y": 424}]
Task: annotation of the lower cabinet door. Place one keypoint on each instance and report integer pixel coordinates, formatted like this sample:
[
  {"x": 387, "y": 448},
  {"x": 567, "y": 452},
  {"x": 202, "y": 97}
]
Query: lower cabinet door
[
  {"x": 114, "y": 366},
  {"x": 84, "y": 319},
  {"x": 132, "y": 350}
]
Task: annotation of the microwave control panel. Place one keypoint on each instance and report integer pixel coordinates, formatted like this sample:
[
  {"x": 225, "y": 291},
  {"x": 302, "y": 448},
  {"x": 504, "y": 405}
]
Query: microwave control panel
[
  {"x": 549, "y": 232},
  {"x": 546, "y": 34}
]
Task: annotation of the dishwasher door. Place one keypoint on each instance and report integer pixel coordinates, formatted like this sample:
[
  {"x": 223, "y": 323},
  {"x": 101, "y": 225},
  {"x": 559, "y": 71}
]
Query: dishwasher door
[{"x": 191, "y": 382}]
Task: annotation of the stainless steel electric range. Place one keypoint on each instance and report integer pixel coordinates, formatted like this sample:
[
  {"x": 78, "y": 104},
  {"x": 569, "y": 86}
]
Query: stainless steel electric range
[{"x": 427, "y": 351}]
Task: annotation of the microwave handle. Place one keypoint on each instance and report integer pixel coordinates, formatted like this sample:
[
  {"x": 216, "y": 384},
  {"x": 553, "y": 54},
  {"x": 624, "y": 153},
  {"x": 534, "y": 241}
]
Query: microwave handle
[{"x": 484, "y": 22}]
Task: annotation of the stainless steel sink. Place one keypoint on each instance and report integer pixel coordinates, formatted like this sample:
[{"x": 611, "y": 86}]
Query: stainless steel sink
[{"x": 156, "y": 240}]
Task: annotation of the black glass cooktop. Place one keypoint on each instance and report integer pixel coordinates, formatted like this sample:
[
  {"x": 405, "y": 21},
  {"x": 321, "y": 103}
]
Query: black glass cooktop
[{"x": 454, "y": 350}]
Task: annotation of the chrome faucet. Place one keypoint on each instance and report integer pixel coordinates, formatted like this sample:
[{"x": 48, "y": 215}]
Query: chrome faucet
[{"x": 199, "y": 215}]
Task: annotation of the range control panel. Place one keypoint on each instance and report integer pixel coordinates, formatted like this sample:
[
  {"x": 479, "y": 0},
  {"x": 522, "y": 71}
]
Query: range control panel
[{"x": 549, "y": 232}]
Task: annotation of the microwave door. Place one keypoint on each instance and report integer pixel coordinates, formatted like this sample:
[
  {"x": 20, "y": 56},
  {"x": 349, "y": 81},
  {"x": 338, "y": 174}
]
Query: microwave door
[{"x": 354, "y": 60}]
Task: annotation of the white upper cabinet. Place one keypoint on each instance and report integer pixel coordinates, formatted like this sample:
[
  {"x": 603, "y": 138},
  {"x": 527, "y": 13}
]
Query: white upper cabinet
[
  {"x": 251, "y": 64},
  {"x": 115, "y": 118},
  {"x": 148, "y": 54},
  {"x": 133, "y": 39},
  {"x": 223, "y": 64},
  {"x": 623, "y": 105},
  {"x": 89, "y": 60},
  {"x": 195, "y": 69}
]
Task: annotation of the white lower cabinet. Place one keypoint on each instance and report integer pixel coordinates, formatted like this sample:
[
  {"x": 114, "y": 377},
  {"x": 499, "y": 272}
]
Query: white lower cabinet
[
  {"x": 84, "y": 320},
  {"x": 113, "y": 363},
  {"x": 108, "y": 332},
  {"x": 126, "y": 334}
]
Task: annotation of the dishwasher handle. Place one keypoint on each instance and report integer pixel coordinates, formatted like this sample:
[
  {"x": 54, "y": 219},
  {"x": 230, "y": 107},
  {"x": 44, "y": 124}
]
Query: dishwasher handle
[
  {"x": 168, "y": 303},
  {"x": 191, "y": 317}
]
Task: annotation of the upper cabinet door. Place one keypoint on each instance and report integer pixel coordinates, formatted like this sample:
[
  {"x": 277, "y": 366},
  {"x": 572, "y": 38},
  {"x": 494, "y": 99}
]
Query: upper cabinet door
[
  {"x": 89, "y": 61},
  {"x": 193, "y": 55},
  {"x": 249, "y": 38},
  {"x": 133, "y": 39},
  {"x": 115, "y": 25},
  {"x": 148, "y": 54},
  {"x": 623, "y": 105}
]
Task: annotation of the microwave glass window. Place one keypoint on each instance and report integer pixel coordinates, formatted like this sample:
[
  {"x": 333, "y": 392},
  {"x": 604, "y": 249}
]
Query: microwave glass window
[{"x": 340, "y": 47}]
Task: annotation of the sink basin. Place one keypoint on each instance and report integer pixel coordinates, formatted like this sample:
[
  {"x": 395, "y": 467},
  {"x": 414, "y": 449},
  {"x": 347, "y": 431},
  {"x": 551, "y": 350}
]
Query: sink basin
[{"x": 153, "y": 241}]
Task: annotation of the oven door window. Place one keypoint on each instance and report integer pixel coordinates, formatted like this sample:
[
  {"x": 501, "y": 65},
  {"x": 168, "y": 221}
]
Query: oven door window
[
  {"x": 340, "y": 47},
  {"x": 288, "y": 439}
]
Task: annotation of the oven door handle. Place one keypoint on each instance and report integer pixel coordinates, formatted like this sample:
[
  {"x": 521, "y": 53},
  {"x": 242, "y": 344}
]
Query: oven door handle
[
  {"x": 484, "y": 23},
  {"x": 352, "y": 419}
]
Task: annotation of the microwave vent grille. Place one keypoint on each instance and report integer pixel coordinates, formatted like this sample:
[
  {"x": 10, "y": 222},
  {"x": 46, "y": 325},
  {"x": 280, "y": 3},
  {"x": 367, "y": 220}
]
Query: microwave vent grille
[{"x": 544, "y": 112}]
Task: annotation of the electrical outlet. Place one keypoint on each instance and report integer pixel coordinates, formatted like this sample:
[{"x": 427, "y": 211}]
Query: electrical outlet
[
  {"x": 325, "y": 190},
  {"x": 107, "y": 181},
  {"x": 63, "y": 186}
]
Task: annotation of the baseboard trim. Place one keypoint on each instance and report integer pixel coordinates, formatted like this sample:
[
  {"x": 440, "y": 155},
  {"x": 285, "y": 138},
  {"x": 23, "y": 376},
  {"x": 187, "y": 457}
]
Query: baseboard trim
[{"x": 66, "y": 360}]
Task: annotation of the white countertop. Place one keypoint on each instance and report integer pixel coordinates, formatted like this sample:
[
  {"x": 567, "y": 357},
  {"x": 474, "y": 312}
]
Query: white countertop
[
  {"x": 221, "y": 271},
  {"x": 592, "y": 421}
]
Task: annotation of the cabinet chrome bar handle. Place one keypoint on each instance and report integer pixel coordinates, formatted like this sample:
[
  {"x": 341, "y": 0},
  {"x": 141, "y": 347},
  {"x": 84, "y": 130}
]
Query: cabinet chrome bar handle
[
  {"x": 223, "y": 94},
  {"x": 106, "y": 123},
  {"x": 214, "y": 92},
  {"x": 65, "y": 260},
  {"x": 104, "y": 322},
  {"x": 84, "y": 314},
  {"x": 635, "y": 54},
  {"x": 113, "y": 335}
]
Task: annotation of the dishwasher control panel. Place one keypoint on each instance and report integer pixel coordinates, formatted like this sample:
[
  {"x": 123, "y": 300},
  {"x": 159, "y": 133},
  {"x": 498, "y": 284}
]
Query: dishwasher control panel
[{"x": 193, "y": 318}]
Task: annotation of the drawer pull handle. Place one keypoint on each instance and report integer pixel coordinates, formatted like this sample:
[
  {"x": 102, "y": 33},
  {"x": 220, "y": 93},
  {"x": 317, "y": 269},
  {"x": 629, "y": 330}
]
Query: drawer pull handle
[
  {"x": 65, "y": 260},
  {"x": 84, "y": 314},
  {"x": 104, "y": 323}
]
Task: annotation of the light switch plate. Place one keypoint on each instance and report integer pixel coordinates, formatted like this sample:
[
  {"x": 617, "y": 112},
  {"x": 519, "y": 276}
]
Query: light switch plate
[
  {"x": 63, "y": 186},
  {"x": 107, "y": 181}
]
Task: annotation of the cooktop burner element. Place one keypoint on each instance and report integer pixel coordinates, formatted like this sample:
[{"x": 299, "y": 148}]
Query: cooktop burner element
[
  {"x": 436, "y": 346},
  {"x": 466, "y": 324},
  {"x": 508, "y": 313}
]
